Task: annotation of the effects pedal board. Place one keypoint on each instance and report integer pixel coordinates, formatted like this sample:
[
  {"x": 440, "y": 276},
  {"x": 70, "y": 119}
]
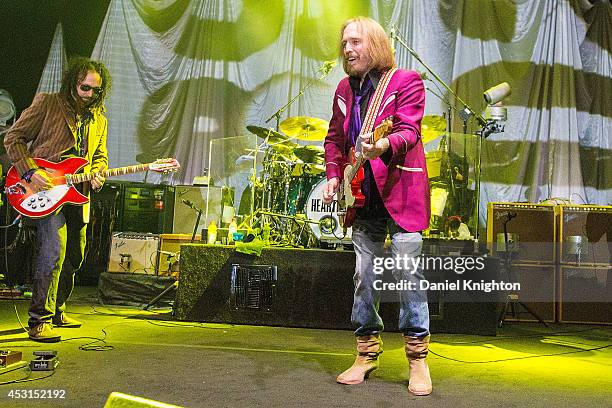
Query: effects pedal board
[
  {"x": 8, "y": 357},
  {"x": 44, "y": 361}
]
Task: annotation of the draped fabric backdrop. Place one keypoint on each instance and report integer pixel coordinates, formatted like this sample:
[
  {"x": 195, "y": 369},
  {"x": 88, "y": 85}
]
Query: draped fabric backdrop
[
  {"x": 187, "y": 72},
  {"x": 51, "y": 79}
]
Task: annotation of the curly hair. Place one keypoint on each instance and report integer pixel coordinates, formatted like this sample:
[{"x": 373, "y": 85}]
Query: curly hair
[{"x": 76, "y": 72}]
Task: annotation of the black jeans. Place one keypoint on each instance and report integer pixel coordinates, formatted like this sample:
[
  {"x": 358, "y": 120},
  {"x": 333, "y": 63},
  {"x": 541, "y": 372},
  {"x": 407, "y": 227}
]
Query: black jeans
[{"x": 61, "y": 241}]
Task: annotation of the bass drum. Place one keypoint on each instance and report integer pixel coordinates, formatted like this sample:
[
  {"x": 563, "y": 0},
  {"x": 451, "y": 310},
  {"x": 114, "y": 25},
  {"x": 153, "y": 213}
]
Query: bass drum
[{"x": 326, "y": 225}]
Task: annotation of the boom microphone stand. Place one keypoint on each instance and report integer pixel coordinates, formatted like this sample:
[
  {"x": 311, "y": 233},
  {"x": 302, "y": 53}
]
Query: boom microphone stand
[
  {"x": 465, "y": 113},
  {"x": 174, "y": 285}
]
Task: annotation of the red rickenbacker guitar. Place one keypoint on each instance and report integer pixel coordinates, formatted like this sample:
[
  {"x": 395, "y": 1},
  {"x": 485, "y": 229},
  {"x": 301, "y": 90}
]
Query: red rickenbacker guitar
[
  {"x": 40, "y": 204},
  {"x": 350, "y": 196}
]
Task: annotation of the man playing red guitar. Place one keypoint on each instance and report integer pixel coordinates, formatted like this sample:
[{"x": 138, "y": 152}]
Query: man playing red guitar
[
  {"x": 58, "y": 126},
  {"x": 395, "y": 187}
]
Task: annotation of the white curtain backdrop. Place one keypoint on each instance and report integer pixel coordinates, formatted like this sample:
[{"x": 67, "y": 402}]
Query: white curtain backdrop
[
  {"x": 51, "y": 79},
  {"x": 187, "y": 72}
]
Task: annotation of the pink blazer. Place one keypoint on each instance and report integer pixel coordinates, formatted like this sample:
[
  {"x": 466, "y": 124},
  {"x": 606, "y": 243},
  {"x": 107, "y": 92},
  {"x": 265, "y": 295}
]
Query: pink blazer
[{"x": 404, "y": 192}]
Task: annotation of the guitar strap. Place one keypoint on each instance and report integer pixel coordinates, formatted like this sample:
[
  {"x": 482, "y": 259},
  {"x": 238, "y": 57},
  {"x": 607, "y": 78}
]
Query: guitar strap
[{"x": 368, "y": 123}]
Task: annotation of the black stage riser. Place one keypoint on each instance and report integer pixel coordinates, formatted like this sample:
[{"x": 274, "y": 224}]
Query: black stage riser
[{"x": 314, "y": 289}]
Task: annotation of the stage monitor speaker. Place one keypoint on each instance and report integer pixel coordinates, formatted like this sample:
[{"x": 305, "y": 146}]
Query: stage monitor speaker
[
  {"x": 585, "y": 235},
  {"x": 147, "y": 208},
  {"x": 133, "y": 253},
  {"x": 531, "y": 231},
  {"x": 215, "y": 200}
]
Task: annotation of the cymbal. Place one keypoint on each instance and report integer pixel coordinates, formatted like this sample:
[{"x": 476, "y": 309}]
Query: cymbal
[
  {"x": 270, "y": 135},
  {"x": 310, "y": 154},
  {"x": 305, "y": 128},
  {"x": 285, "y": 150},
  {"x": 433, "y": 123},
  {"x": 432, "y": 127}
]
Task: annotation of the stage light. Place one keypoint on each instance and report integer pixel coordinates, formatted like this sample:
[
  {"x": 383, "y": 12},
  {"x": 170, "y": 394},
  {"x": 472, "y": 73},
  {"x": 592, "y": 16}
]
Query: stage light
[{"x": 7, "y": 107}]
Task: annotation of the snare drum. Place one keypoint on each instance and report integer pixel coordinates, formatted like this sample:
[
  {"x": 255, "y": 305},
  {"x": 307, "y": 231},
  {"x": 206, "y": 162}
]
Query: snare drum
[{"x": 328, "y": 228}]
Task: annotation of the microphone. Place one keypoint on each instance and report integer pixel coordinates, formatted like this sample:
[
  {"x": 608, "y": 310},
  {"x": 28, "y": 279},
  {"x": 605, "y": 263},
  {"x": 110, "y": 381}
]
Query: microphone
[
  {"x": 392, "y": 36},
  {"x": 328, "y": 66},
  {"x": 497, "y": 93},
  {"x": 188, "y": 203}
]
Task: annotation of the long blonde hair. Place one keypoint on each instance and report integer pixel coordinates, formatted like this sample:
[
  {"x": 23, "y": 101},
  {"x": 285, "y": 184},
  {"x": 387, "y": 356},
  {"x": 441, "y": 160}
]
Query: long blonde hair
[{"x": 379, "y": 46}]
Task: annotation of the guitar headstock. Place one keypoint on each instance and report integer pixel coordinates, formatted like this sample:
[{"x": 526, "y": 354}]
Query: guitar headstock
[
  {"x": 165, "y": 165},
  {"x": 383, "y": 129}
]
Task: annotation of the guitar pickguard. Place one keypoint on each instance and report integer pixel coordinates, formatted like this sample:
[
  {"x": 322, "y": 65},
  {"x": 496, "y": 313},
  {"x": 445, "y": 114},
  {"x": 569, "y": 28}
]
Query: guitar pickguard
[{"x": 43, "y": 200}]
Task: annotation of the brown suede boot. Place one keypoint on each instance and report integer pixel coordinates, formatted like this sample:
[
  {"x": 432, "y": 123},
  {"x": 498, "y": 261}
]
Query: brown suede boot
[
  {"x": 416, "y": 352},
  {"x": 368, "y": 349}
]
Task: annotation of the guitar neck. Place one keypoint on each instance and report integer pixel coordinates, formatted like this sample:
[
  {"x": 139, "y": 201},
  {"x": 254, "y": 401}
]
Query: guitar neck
[{"x": 119, "y": 171}]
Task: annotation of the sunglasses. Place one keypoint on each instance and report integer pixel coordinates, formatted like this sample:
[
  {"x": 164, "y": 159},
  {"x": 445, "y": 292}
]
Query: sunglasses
[{"x": 87, "y": 88}]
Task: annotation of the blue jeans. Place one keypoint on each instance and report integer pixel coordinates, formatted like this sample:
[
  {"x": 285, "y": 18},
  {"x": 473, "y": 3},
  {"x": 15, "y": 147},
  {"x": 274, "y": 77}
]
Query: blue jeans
[
  {"x": 61, "y": 241},
  {"x": 368, "y": 239}
]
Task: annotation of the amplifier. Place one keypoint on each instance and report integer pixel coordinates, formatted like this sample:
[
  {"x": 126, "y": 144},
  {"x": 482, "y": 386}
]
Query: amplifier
[
  {"x": 133, "y": 253},
  {"x": 146, "y": 208},
  {"x": 585, "y": 234},
  {"x": 531, "y": 231},
  {"x": 170, "y": 252},
  {"x": 213, "y": 201}
]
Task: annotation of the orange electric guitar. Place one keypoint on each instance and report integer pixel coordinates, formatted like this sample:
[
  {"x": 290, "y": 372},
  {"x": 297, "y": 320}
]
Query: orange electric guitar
[
  {"x": 64, "y": 176},
  {"x": 350, "y": 196}
]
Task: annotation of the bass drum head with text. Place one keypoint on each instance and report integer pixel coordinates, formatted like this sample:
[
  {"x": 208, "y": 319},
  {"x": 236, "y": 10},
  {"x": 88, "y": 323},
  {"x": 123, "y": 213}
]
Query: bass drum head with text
[{"x": 328, "y": 228}]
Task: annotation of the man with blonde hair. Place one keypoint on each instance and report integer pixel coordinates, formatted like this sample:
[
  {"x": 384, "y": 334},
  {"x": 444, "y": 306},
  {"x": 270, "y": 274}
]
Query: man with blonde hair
[{"x": 395, "y": 187}]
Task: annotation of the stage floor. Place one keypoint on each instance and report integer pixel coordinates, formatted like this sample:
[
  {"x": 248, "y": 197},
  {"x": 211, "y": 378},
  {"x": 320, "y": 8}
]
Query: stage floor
[{"x": 212, "y": 365}]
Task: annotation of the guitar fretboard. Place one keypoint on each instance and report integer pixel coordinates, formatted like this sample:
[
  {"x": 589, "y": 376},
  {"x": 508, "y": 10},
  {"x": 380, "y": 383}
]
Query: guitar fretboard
[{"x": 119, "y": 171}]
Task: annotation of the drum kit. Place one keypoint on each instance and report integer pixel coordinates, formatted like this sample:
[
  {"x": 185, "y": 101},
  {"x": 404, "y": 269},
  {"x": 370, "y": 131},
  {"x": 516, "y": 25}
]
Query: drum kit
[{"x": 288, "y": 192}]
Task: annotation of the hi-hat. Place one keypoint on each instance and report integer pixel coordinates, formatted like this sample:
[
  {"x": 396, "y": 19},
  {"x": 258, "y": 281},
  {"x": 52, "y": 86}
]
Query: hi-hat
[
  {"x": 432, "y": 127},
  {"x": 310, "y": 154},
  {"x": 305, "y": 128}
]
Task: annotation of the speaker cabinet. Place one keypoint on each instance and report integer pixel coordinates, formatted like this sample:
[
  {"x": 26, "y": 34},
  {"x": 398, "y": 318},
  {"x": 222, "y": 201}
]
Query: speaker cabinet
[
  {"x": 531, "y": 230},
  {"x": 133, "y": 253},
  {"x": 586, "y": 295},
  {"x": 211, "y": 200},
  {"x": 585, "y": 235},
  {"x": 538, "y": 291}
]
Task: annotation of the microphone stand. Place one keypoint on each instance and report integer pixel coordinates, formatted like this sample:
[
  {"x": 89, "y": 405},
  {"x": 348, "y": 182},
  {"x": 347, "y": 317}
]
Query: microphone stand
[
  {"x": 174, "y": 285},
  {"x": 512, "y": 298},
  {"x": 465, "y": 114},
  {"x": 325, "y": 70}
]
